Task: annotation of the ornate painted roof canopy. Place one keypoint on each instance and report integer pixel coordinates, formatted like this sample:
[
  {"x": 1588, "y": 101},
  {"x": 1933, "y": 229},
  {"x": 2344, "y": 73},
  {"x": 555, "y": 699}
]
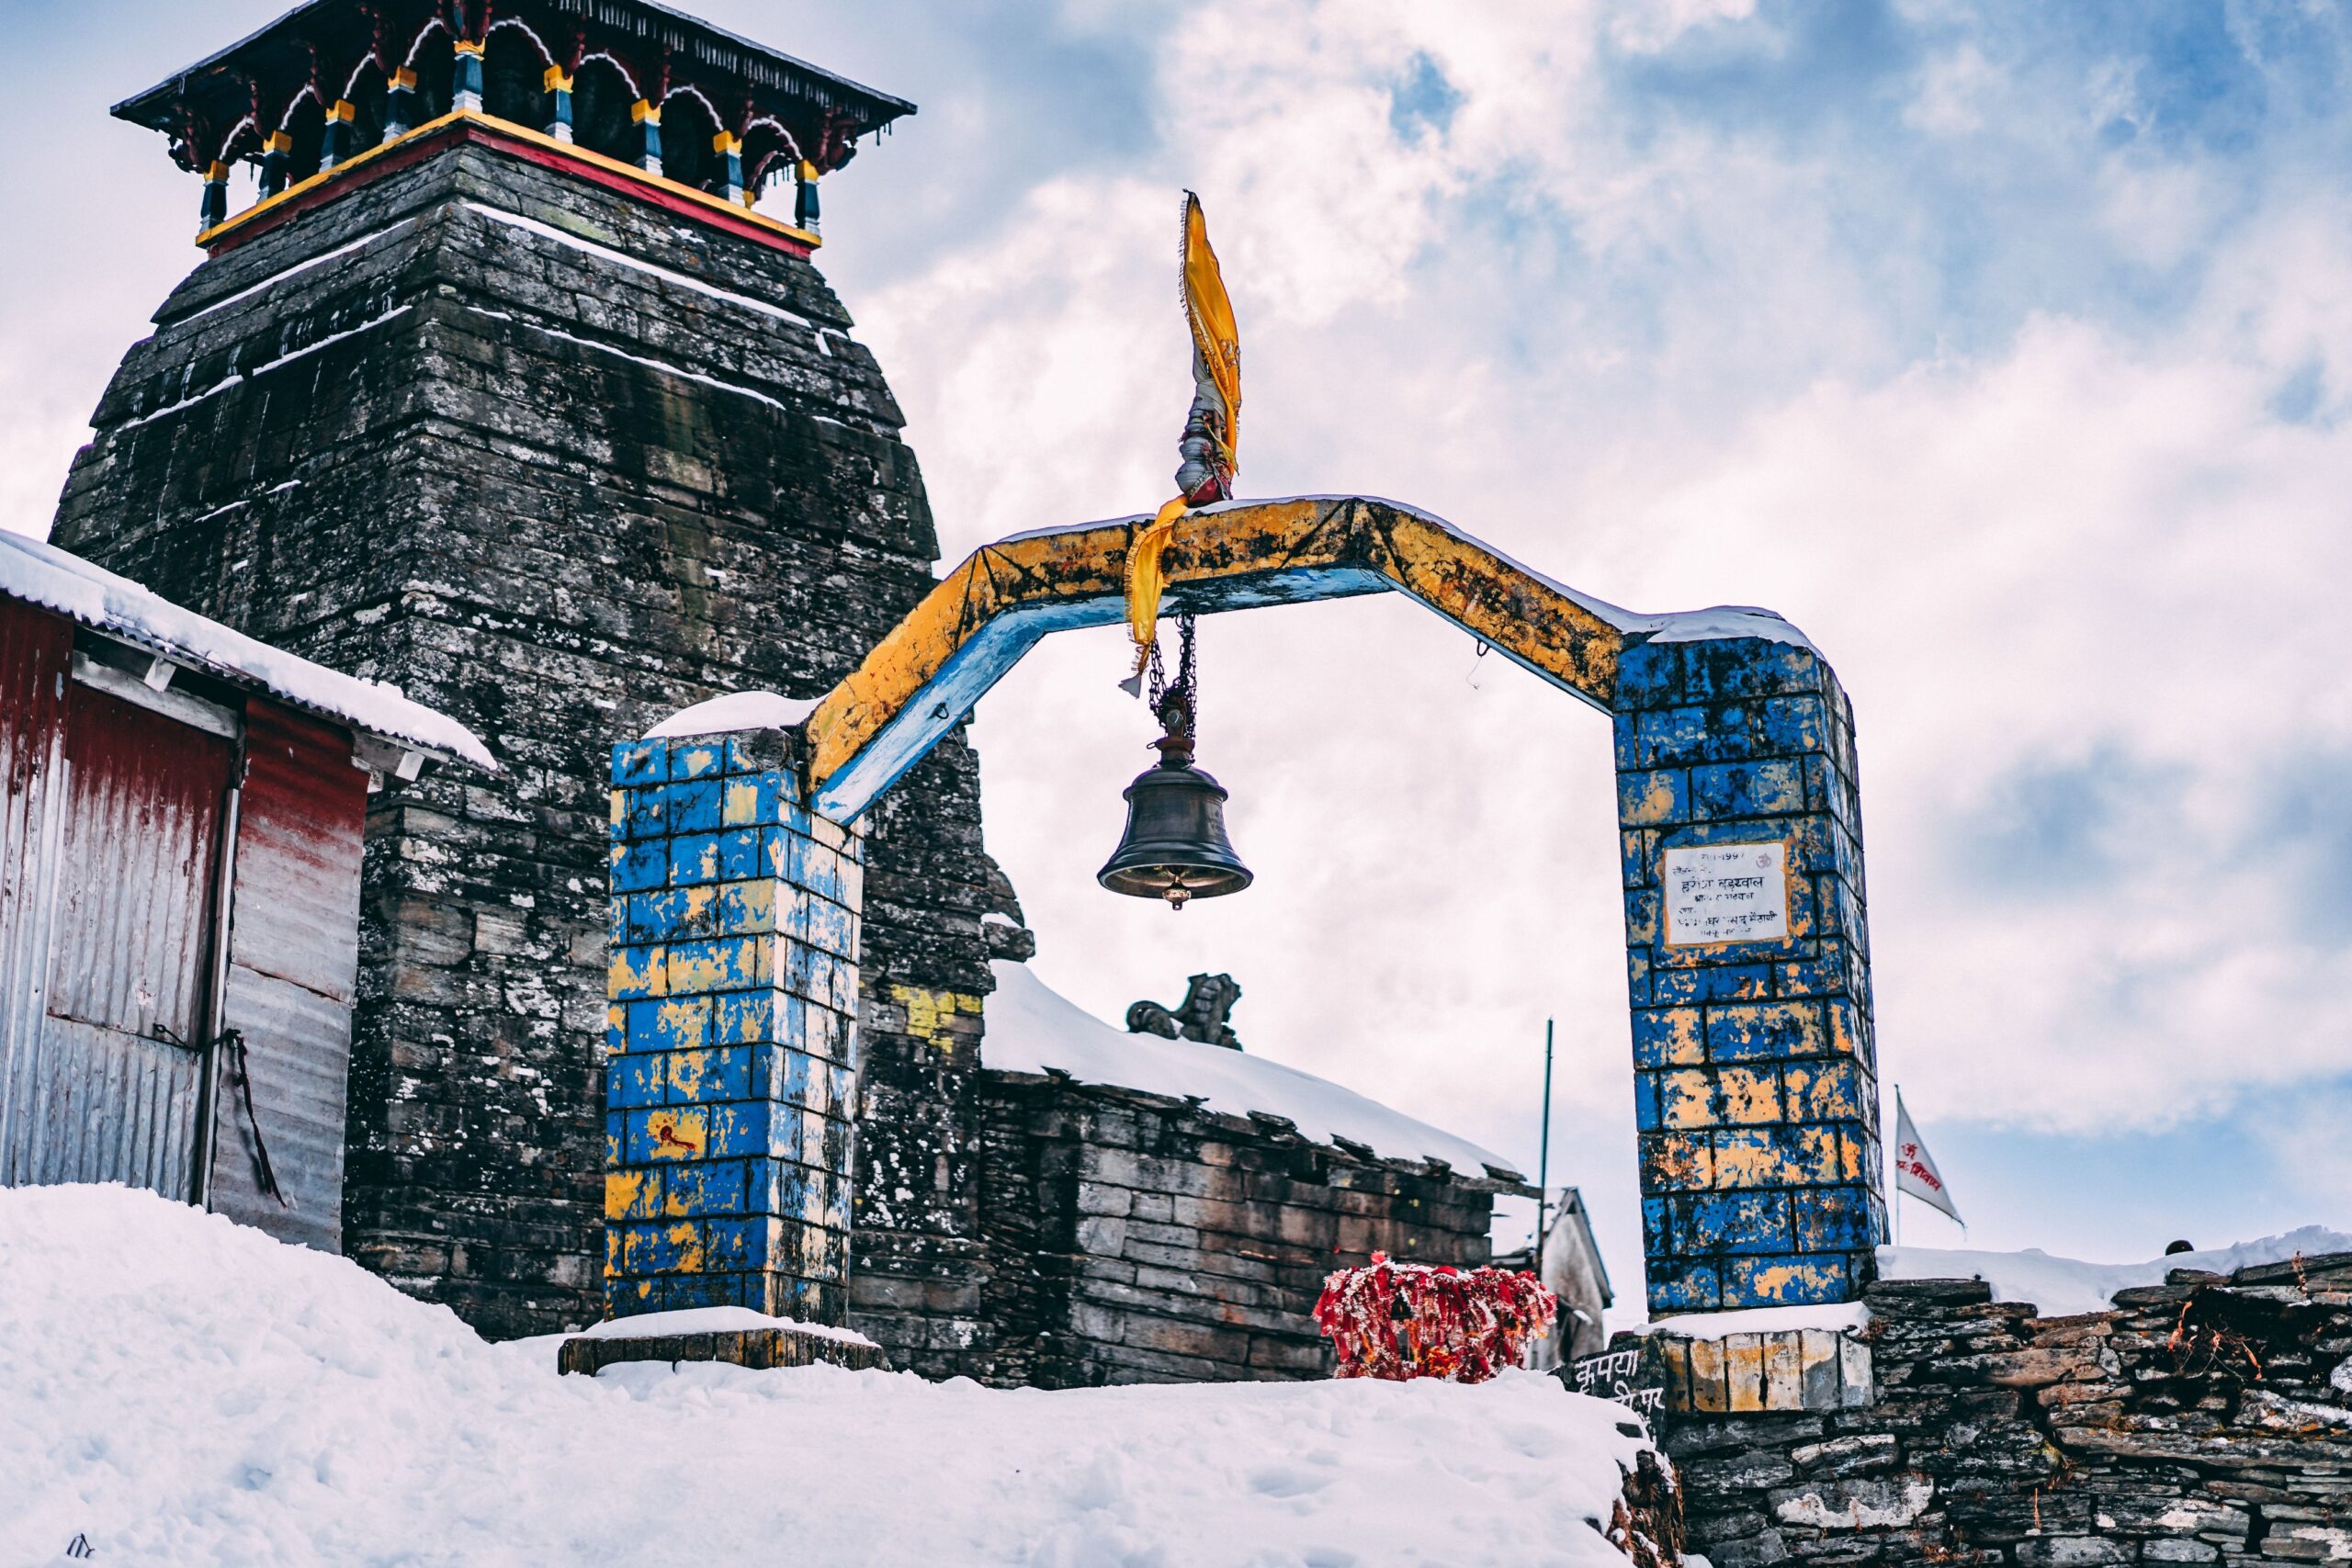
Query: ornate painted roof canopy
[{"x": 627, "y": 81}]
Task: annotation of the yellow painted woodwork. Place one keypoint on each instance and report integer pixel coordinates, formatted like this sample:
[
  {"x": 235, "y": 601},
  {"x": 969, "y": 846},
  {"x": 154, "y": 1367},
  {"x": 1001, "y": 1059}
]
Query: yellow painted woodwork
[{"x": 1462, "y": 578}]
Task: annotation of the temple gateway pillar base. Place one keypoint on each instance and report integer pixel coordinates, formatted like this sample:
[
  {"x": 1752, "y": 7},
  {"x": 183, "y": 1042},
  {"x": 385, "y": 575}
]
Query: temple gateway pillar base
[{"x": 731, "y": 1087}]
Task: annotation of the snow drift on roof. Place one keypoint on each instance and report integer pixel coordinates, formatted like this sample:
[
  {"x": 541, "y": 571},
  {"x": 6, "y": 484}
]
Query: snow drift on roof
[
  {"x": 1031, "y": 1028},
  {"x": 2063, "y": 1287},
  {"x": 189, "y": 1390},
  {"x": 735, "y": 711},
  {"x": 42, "y": 574},
  {"x": 1724, "y": 621},
  {"x": 712, "y": 1320},
  {"x": 1841, "y": 1316}
]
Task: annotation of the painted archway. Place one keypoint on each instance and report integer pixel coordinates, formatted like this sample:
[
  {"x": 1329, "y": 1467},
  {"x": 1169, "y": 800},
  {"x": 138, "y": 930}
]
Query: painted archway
[{"x": 1747, "y": 944}]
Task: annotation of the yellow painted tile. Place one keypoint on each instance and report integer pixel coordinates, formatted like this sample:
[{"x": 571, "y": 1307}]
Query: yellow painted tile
[
  {"x": 625, "y": 977},
  {"x": 677, "y": 1135},
  {"x": 1750, "y": 1094},
  {"x": 625, "y": 1194},
  {"x": 686, "y": 1238},
  {"x": 1686, "y": 1099},
  {"x": 1746, "y": 1160},
  {"x": 689, "y": 1071},
  {"x": 1744, "y": 1371},
  {"x": 1708, "y": 1392},
  {"x": 1683, "y": 1040},
  {"x": 1654, "y": 805},
  {"x": 1680, "y": 1162}
]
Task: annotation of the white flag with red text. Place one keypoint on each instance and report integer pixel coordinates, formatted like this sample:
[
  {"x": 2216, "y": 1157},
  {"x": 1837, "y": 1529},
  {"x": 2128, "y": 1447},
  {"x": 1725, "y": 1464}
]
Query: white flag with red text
[{"x": 1915, "y": 1168}]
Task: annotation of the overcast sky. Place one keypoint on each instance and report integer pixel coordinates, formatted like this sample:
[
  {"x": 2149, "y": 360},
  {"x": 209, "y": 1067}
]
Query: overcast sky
[{"x": 2005, "y": 349}]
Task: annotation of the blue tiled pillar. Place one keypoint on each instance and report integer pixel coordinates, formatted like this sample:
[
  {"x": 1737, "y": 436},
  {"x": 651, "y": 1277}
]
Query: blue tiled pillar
[
  {"x": 731, "y": 1054},
  {"x": 1748, "y": 949}
]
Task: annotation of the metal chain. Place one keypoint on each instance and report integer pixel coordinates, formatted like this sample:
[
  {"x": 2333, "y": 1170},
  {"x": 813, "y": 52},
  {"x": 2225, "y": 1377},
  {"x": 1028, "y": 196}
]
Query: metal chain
[
  {"x": 1186, "y": 689},
  {"x": 1188, "y": 674}
]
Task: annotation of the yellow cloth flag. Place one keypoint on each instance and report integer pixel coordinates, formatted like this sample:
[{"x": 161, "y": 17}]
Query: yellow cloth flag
[
  {"x": 1217, "y": 402},
  {"x": 1216, "y": 340}
]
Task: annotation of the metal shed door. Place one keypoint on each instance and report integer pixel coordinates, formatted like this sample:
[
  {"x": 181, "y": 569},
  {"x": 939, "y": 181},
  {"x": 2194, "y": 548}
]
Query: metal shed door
[{"x": 129, "y": 947}]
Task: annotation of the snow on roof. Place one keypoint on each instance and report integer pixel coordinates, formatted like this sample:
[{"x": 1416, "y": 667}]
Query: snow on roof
[
  {"x": 1724, "y": 621},
  {"x": 42, "y": 574},
  {"x": 2058, "y": 1286},
  {"x": 1844, "y": 1317},
  {"x": 711, "y": 1320},
  {"x": 735, "y": 711},
  {"x": 1031, "y": 1028},
  {"x": 2064, "y": 1287}
]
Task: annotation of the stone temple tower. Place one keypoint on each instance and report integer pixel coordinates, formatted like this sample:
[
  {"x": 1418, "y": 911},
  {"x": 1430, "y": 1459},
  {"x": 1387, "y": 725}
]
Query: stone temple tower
[{"x": 509, "y": 387}]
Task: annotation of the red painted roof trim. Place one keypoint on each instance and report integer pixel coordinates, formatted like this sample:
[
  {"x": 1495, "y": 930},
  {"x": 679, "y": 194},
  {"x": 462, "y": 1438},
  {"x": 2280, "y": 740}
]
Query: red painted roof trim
[{"x": 518, "y": 143}]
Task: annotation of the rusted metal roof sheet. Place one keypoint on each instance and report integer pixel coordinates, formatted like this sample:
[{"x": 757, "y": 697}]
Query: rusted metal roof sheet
[
  {"x": 293, "y": 963},
  {"x": 36, "y": 650},
  {"x": 56, "y": 579},
  {"x": 109, "y": 1096}
]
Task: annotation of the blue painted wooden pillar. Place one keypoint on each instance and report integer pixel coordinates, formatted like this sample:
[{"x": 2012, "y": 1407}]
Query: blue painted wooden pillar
[
  {"x": 277, "y": 158},
  {"x": 400, "y": 103},
  {"x": 1748, "y": 962},
  {"x": 647, "y": 117},
  {"x": 335, "y": 140},
  {"x": 730, "y": 148},
  {"x": 732, "y": 1053},
  {"x": 806, "y": 213},
  {"x": 465, "y": 84},
  {"x": 215, "y": 198},
  {"x": 558, "y": 83}
]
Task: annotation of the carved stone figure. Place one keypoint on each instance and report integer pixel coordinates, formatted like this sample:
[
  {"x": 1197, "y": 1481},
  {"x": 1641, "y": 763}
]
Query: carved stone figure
[{"x": 1208, "y": 1002}]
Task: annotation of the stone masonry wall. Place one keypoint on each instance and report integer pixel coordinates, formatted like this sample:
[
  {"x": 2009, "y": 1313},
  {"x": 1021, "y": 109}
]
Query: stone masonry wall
[
  {"x": 557, "y": 463},
  {"x": 2204, "y": 1421},
  {"x": 1134, "y": 1238}
]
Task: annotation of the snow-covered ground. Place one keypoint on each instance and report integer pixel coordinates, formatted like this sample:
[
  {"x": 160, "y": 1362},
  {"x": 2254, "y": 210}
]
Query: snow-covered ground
[
  {"x": 2061, "y": 1287},
  {"x": 181, "y": 1390}
]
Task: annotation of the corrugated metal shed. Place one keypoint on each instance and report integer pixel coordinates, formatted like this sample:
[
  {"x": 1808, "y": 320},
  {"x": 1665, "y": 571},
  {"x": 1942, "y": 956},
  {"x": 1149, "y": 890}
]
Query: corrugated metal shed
[{"x": 179, "y": 868}]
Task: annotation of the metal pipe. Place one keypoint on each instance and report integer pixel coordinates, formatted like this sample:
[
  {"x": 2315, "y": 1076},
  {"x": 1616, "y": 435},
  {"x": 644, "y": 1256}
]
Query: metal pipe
[
  {"x": 1544, "y": 1155},
  {"x": 207, "y": 1119}
]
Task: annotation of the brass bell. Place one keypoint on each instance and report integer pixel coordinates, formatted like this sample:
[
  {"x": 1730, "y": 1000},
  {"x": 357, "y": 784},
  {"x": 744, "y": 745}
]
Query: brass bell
[{"x": 1175, "y": 846}]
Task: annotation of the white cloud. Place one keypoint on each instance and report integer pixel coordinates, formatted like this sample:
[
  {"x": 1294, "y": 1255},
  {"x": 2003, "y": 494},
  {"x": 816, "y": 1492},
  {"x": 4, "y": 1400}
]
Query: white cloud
[
  {"x": 2081, "y": 537},
  {"x": 1952, "y": 88}
]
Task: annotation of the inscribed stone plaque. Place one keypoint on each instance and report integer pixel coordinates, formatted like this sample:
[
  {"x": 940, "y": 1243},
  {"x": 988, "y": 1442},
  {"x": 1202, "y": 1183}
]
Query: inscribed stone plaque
[
  {"x": 1634, "y": 1375},
  {"x": 1726, "y": 893}
]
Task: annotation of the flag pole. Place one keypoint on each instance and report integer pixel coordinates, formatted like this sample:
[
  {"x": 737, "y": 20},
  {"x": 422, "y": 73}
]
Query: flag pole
[
  {"x": 1898, "y": 1182},
  {"x": 1544, "y": 1155}
]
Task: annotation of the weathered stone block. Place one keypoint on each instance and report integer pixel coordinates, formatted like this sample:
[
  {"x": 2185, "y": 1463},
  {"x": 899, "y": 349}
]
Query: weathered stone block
[
  {"x": 2071, "y": 1551},
  {"x": 1854, "y": 1503}
]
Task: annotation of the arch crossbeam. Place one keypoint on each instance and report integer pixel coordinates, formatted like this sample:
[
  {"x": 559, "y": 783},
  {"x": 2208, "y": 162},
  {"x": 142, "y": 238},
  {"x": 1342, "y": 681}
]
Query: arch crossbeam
[
  {"x": 1739, "y": 824},
  {"x": 922, "y": 678}
]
